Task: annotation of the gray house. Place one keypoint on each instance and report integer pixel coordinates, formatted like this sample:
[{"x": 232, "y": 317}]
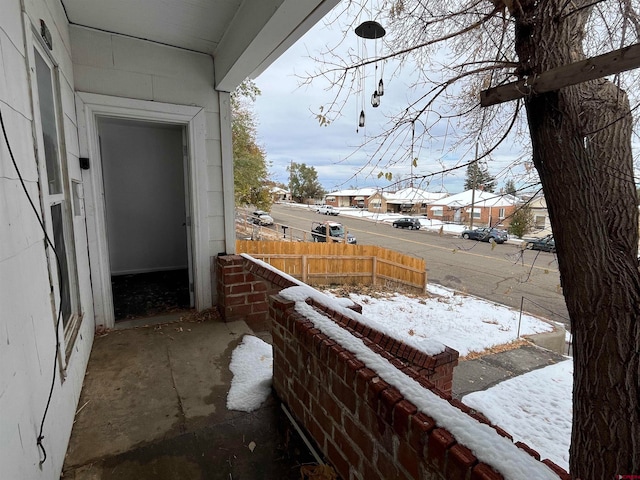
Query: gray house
[{"x": 116, "y": 158}]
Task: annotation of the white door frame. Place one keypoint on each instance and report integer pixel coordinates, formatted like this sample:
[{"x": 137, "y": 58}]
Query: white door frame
[{"x": 89, "y": 107}]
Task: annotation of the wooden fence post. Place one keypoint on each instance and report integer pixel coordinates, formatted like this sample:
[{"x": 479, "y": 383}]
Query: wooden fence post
[
  {"x": 374, "y": 270},
  {"x": 304, "y": 268}
]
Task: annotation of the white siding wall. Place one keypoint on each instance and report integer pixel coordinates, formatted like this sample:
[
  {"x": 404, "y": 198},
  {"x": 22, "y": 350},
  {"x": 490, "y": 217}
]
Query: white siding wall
[
  {"x": 27, "y": 336},
  {"x": 124, "y": 67}
]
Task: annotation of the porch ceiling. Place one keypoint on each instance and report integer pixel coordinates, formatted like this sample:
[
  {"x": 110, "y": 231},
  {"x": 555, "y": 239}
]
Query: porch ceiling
[{"x": 243, "y": 36}]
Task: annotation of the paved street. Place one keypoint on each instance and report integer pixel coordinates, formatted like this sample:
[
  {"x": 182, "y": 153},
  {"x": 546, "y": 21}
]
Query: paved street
[{"x": 504, "y": 274}]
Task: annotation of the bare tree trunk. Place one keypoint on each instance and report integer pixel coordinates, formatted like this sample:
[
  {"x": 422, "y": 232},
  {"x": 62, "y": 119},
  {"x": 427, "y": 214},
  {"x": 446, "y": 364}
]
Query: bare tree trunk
[{"x": 581, "y": 139}]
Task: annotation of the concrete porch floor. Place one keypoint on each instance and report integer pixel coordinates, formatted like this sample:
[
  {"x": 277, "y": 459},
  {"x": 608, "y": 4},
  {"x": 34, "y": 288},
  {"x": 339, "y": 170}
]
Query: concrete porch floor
[{"x": 153, "y": 406}]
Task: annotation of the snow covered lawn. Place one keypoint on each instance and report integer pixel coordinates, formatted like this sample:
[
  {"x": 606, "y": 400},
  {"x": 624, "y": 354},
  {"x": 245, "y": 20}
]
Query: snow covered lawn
[
  {"x": 535, "y": 408},
  {"x": 462, "y": 322}
]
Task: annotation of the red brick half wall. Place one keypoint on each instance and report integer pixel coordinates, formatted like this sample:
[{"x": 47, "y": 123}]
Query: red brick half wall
[{"x": 363, "y": 425}]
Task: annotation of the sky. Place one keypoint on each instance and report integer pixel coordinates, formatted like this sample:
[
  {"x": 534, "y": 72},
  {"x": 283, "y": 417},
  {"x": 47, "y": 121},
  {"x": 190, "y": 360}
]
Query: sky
[
  {"x": 290, "y": 132},
  {"x": 519, "y": 405}
]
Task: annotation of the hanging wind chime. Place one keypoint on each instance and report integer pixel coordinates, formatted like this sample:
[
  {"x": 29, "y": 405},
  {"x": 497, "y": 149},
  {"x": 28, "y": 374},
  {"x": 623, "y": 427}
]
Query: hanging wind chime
[{"x": 371, "y": 30}]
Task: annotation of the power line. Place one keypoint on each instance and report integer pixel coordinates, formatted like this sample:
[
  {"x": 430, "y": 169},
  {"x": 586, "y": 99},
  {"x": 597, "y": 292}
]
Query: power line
[{"x": 59, "y": 317}]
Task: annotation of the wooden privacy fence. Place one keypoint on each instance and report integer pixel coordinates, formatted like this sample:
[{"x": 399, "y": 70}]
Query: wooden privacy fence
[{"x": 339, "y": 263}]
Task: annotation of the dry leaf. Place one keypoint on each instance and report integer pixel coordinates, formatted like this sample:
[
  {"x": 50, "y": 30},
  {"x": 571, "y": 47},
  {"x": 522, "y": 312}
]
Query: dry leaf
[
  {"x": 317, "y": 472},
  {"x": 252, "y": 446}
]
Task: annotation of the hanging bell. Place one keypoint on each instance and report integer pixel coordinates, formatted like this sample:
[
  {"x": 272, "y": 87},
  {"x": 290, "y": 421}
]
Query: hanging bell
[
  {"x": 375, "y": 99},
  {"x": 370, "y": 30},
  {"x": 361, "y": 121},
  {"x": 380, "y": 88}
]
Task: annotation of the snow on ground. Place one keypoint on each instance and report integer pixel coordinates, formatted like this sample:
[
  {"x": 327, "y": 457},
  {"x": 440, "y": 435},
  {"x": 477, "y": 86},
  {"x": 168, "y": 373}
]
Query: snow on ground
[
  {"x": 426, "y": 223},
  {"x": 252, "y": 368},
  {"x": 535, "y": 408},
  {"x": 486, "y": 444},
  {"x": 465, "y": 323},
  {"x": 433, "y": 225}
]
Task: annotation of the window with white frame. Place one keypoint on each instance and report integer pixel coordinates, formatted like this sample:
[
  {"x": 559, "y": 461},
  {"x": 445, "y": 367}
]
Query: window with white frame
[
  {"x": 501, "y": 213},
  {"x": 437, "y": 211},
  {"x": 55, "y": 193},
  {"x": 476, "y": 212}
]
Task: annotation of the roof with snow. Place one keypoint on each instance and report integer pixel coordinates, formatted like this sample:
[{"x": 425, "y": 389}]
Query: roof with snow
[
  {"x": 412, "y": 195},
  {"x": 480, "y": 199},
  {"x": 354, "y": 192}
]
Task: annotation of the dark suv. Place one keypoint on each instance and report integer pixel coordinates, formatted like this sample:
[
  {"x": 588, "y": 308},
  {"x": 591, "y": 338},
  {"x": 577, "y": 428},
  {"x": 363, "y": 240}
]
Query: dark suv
[
  {"x": 485, "y": 234},
  {"x": 407, "y": 222},
  {"x": 335, "y": 230}
]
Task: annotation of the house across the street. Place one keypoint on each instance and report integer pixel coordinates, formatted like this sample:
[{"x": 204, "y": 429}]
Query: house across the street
[
  {"x": 541, "y": 221},
  {"x": 487, "y": 208},
  {"x": 407, "y": 200},
  {"x": 349, "y": 198},
  {"x": 280, "y": 194}
]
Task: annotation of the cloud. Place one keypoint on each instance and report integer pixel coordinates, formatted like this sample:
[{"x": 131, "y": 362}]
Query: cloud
[{"x": 343, "y": 154}]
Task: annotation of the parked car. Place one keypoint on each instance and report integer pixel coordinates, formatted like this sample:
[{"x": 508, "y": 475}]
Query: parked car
[
  {"x": 327, "y": 210},
  {"x": 485, "y": 234},
  {"x": 411, "y": 223},
  {"x": 260, "y": 217},
  {"x": 545, "y": 244},
  {"x": 335, "y": 232}
]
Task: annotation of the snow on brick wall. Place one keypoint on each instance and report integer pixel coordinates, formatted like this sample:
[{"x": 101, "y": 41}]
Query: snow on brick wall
[
  {"x": 244, "y": 288},
  {"x": 363, "y": 425}
]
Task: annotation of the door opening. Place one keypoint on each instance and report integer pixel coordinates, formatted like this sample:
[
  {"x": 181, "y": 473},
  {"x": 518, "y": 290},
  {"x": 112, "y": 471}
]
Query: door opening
[{"x": 146, "y": 203}]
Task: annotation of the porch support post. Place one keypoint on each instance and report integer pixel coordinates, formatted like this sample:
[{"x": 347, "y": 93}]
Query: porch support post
[{"x": 226, "y": 147}]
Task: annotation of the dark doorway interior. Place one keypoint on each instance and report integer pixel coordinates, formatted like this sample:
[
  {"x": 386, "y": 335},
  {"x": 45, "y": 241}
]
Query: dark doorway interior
[
  {"x": 146, "y": 199},
  {"x": 150, "y": 294}
]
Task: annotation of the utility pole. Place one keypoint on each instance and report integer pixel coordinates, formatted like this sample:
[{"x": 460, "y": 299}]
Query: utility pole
[{"x": 473, "y": 191}]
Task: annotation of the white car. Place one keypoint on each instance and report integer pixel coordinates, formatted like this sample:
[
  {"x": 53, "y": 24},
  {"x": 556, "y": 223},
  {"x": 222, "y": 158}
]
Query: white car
[
  {"x": 327, "y": 210},
  {"x": 260, "y": 217}
]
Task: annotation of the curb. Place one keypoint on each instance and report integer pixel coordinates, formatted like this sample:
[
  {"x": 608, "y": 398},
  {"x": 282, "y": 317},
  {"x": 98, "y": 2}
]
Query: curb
[{"x": 553, "y": 341}]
